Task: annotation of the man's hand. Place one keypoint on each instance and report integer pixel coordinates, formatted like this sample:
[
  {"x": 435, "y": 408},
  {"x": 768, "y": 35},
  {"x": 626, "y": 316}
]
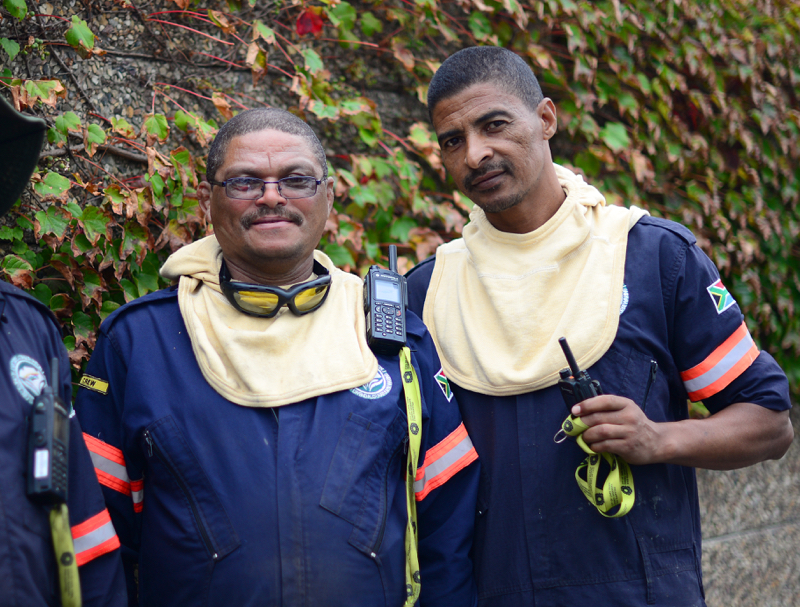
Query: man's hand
[
  {"x": 618, "y": 425},
  {"x": 740, "y": 435}
]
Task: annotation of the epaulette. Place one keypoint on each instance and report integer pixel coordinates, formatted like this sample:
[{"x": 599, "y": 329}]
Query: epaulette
[
  {"x": 679, "y": 230},
  {"x": 163, "y": 294},
  {"x": 8, "y": 289}
]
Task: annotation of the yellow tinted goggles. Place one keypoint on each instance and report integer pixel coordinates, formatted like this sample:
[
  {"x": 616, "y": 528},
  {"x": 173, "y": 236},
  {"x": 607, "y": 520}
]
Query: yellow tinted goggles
[{"x": 265, "y": 301}]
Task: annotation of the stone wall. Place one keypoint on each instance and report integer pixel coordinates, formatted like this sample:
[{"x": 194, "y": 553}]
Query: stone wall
[{"x": 751, "y": 532}]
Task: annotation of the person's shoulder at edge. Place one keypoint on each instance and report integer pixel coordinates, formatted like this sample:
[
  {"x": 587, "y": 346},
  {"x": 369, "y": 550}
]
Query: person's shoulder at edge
[
  {"x": 417, "y": 279},
  {"x": 163, "y": 295},
  {"x": 649, "y": 224}
]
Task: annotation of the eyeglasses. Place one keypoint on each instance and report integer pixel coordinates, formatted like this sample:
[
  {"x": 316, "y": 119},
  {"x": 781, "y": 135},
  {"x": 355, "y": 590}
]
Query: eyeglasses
[
  {"x": 266, "y": 301},
  {"x": 253, "y": 188}
]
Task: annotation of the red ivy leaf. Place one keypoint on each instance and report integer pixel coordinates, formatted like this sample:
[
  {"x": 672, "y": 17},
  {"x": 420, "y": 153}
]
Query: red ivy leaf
[{"x": 309, "y": 22}]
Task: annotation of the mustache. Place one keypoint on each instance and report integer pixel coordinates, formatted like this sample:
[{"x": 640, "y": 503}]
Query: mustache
[
  {"x": 477, "y": 174},
  {"x": 248, "y": 219}
]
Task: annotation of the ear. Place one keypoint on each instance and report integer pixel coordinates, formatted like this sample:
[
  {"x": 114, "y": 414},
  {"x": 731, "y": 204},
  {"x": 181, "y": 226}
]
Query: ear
[
  {"x": 204, "y": 199},
  {"x": 547, "y": 112},
  {"x": 329, "y": 194}
]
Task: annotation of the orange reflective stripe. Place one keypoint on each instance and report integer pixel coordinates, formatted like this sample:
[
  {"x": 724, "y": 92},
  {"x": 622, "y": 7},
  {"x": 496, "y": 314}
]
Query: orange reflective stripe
[
  {"x": 722, "y": 366},
  {"x": 443, "y": 461},
  {"x": 109, "y": 465},
  {"x": 137, "y": 493},
  {"x": 94, "y": 537}
]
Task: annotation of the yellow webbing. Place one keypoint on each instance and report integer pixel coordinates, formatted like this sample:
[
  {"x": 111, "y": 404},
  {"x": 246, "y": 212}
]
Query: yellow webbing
[
  {"x": 618, "y": 488},
  {"x": 414, "y": 414},
  {"x": 68, "y": 578}
]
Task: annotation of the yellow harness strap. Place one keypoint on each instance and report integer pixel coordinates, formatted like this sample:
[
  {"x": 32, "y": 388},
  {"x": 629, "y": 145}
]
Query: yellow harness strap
[
  {"x": 618, "y": 488},
  {"x": 68, "y": 577},
  {"x": 414, "y": 414}
]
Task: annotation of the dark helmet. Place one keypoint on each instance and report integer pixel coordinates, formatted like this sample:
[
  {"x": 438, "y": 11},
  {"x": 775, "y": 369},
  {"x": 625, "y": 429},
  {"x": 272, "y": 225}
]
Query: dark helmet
[{"x": 21, "y": 139}]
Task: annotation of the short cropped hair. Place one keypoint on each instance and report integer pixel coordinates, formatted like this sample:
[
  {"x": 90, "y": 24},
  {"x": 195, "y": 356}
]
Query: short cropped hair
[
  {"x": 259, "y": 119},
  {"x": 479, "y": 64}
]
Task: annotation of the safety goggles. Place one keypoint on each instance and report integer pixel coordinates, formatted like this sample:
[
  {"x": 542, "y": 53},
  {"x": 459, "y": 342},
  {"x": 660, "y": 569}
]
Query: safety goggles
[{"x": 266, "y": 301}]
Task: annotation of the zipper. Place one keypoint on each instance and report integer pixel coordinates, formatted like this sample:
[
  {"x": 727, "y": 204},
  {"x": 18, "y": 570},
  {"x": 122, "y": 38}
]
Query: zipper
[
  {"x": 404, "y": 447},
  {"x": 651, "y": 377},
  {"x": 152, "y": 447}
]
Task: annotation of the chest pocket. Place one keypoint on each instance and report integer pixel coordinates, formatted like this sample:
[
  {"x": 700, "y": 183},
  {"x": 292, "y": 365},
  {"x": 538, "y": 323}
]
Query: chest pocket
[
  {"x": 627, "y": 372},
  {"x": 367, "y": 461}
]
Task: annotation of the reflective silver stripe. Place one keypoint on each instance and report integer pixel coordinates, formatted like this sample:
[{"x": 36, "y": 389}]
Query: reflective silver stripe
[
  {"x": 722, "y": 367},
  {"x": 113, "y": 468},
  {"x": 433, "y": 469},
  {"x": 94, "y": 538},
  {"x": 137, "y": 496}
]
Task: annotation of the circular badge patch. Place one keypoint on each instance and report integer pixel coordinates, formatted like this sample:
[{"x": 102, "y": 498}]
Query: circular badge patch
[
  {"x": 378, "y": 387},
  {"x": 624, "y": 303},
  {"x": 27, "y": 375}
]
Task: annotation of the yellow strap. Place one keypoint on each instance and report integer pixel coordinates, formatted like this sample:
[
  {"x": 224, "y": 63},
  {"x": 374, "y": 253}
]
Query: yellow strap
[
  {"x": 68, "y": 577},
  {"x": 414, "y": 414},
  {"x": 618, "y": 487}
]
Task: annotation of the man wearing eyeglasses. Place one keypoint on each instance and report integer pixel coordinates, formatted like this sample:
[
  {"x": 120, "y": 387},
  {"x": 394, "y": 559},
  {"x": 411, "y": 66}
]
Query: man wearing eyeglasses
[
  {"x": 643, "y": 310},
  {"x": 252, "y": 448}
]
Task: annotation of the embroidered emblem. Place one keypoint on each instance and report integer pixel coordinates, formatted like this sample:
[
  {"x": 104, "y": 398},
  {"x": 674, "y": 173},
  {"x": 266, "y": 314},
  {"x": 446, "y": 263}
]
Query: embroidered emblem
[
  {"x": 93, "y": 383},
  {"x": 28, "y": 376},
  {"x": 625, "y": 297},
  {"x": 720, "y": 296},
  {"x": 378, "y": 387},
  {"x": 441, "y": 379}
]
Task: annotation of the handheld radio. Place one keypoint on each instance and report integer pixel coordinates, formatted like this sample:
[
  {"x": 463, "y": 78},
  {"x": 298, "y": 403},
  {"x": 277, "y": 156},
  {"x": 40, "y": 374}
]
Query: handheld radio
[
  {"x": 385, "y": 303},
  {"x": 48, "y": 444},
  {"x": 576, "y": 385}
]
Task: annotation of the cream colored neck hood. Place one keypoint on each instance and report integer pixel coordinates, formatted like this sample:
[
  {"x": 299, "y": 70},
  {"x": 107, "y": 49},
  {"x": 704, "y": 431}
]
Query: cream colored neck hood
[
  {"x": 498, "y": 302},
  {"x": 269, "y": 362}
]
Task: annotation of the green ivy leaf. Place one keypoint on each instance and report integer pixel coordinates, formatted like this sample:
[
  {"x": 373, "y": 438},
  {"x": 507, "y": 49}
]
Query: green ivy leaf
[
  {"x": 74, "y": 209},
  {"x": 14, "y": 264},
  {"x": 183, "y": 120},
  {"x": 401, "y": 227},
  {"x": 10, "y": 47},
  {"x": 370, "y": 24},
  {"x": 94, "y": 223},
  {"x": 313, "y": 62},
  {"x": 17, "y": 8},
  {"x": 107, "y": 308},
  {"x": 480, "y": 26},
  {"x": 340, "y": 256},
  {"x": 79, "y": 36},
  {"x": 82, "y": 324},
  {"x": 54, "y": 137},
  {"x": 615, "y": 136},
  {"x": 52, "y": 221},
  {"x": 156, "y": 126},
  {"x": 53, "y": 185},
  {"x": 265, "y": 32},
  {"x": 95, "y": 134},
  {"x": 128, "y": 290},
  {"x": 123, "y": 127},
  {"x": 43, "y": 293},
  {"x": 343, "y": 15},
  {"x": 9, "y": 233},
  {"x": 68, "y": 121}
]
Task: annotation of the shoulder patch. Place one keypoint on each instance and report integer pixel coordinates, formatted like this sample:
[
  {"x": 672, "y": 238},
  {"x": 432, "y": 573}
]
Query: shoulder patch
[
  {"x": 94, "y": 383},
  {"x": 378, "y": 387},
  {"x": 720, "y": 296},
  {"x": 441, "y": 379},
  {"x": 27, "y": 375}
]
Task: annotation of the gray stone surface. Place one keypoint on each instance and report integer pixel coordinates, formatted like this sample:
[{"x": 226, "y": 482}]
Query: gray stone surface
[{"x": 751, "y": 532}]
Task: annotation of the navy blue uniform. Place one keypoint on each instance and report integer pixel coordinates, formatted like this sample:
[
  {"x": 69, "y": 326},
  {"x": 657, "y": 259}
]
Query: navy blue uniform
[
  {"x": 29, "y": 339},
  {"x": 537, "y": 540},
  {"x": 304, "y": 504}
]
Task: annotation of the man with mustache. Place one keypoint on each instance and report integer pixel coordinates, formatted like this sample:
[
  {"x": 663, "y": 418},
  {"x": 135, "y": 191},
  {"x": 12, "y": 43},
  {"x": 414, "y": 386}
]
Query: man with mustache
[
  {"x": 252, "y": 449},
  {"x": 643, "y": 310},
  {"x": 31, "y": 567}
]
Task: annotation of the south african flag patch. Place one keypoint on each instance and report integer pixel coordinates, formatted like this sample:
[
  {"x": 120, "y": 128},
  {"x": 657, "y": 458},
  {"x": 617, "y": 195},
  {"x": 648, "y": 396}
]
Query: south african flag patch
[
  {"x": 441, "y": 379},
  {"x": 720, "y": 296}
]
